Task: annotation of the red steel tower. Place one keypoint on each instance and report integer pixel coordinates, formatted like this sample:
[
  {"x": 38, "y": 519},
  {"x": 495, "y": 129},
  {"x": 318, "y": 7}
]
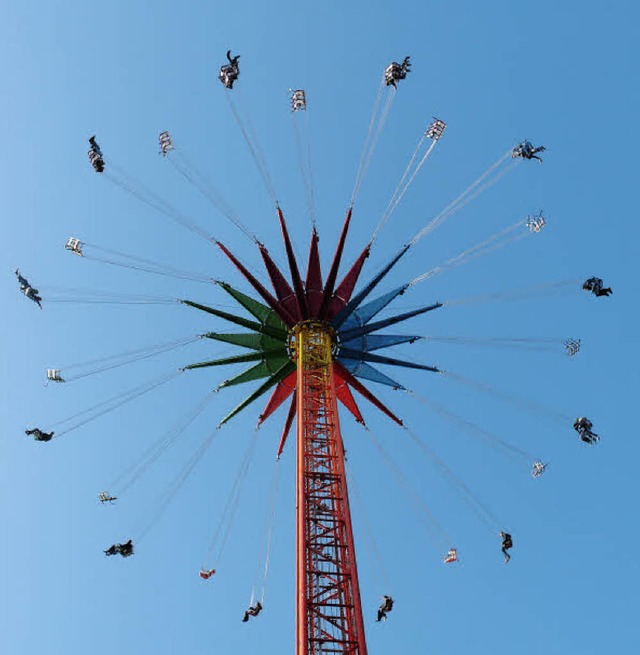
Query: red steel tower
[{"x": 329, "y": 613}]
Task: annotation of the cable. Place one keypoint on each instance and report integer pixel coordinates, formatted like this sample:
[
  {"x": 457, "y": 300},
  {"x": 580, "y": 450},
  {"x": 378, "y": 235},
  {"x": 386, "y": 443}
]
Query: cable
[
  {"x": 140, "y": 192},
  {"x": 498, "y": 240},
  {"x": 305, "y": 168},
  {"x": 177, "y": 484},
  {"x": 142, "y": 354},
  {"x": 220, "y": 536},
  {"x": 482, "y": 511},
  {"x": 190, "y": 173},
  {"x": 149, "y": 266},
  {"x": 423, "y": 511},
  {"x": 524, "y": 343},
  {"x": 401, "y": 190},
  {"x": 365, "y": 146},
  {"x": 371, "y": 149},
  {"x": 132, "y": 474},
  {"x": 540, "y": 290},
  {"x": 469, "y": 426},
  {"x": 89, "y": 296},
  {"x": 464, "y": 197},
  {"x": 312, "y": 199},
  {"x": 271, "y": 520},
  {"x": 114, "y": 403},
  {"x": 256, "y": 154},
  {"x": 521, "y": 402},
  {"x": 375, "y": 560}
]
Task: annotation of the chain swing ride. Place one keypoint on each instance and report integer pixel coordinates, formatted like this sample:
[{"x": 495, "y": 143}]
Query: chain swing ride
[{"x": 311, "y": 341}]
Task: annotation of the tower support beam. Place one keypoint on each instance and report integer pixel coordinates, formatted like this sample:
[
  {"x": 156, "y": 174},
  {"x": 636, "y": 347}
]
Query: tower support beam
[{"x": 329, "y": 611}]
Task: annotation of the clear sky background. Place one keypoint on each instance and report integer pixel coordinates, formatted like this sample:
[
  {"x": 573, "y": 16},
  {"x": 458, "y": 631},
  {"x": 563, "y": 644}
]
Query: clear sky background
[{"x": 563, "y": 74}]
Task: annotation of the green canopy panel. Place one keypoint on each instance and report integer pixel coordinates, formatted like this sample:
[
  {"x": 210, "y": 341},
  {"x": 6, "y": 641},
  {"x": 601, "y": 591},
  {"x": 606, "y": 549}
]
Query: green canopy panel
[
  {"x": 277, "y": 353},
  {"x": 264, "y": 314},
  {"x": 258, "y": 341},
  {"x": 275, "y": 323},
  {"x": 280, "y": 335},
  {"x": 282, "y": 373},
  {"x": 262, "y": 370},
  {"x": 236, "y": 359}
]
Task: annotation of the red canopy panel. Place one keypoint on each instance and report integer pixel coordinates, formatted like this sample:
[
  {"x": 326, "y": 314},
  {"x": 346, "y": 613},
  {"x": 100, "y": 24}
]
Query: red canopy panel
[
  {"x": 266, "y": 296},
  {"x": 293, "y": 267},
  {"x": 361, "y": 389},
  {"x": 342, "y": 391},
  {"x": 335, "y": 266},
  {"x": 345, "y": 396},
  {"x": 287, "y": 424},
  {"x": 314, "y": 288},
  {"x": 283, "y": 390},
  {"x": 284, "y": 292},
  {"x": 343, "y": 293}
]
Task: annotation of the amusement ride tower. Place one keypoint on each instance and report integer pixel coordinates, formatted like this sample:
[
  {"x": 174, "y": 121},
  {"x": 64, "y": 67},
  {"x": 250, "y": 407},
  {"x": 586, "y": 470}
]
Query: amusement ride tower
[{"x": 311, "y": 341}]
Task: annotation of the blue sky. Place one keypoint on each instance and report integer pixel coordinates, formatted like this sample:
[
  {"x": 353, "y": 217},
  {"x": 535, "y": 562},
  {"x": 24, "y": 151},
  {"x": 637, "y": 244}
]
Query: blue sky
[{"x": 561, "y": 74}]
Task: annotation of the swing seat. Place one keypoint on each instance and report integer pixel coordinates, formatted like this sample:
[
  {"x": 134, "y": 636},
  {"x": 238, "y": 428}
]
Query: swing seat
[
  {"x": 53, "y": 375},
  {"x": 74, "y": 245},
  {"x": 452, "y": 556}
]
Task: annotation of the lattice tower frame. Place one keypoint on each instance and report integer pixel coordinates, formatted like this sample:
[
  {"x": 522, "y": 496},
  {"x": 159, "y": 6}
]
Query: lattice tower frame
[{"x": 328, "y": 606}]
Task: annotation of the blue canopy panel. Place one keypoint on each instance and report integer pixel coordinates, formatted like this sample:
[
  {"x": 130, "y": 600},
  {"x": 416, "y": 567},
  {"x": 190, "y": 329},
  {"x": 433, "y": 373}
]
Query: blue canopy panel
[
  {"x": 347, "y": 335},
  {"x": 352, "y": 322},
  {"x": 365, "y": 371},
  {"x": 365, "y": 313},
  {"x": 348, "y": 309},
  {"x": 369, "y": 342},
  {"x": 381, "y": 359}
]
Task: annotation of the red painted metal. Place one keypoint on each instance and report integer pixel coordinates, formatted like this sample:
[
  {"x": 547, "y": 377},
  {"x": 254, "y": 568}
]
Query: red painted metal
[
  {"x": 314, "y": 288},
  {"x": 282, "y": 391},
  {"x": 362, "y": 390},
  {"x": 335, "y": 266},
  {"x": 363, "y": 293},
  {"x": 287, "y": 424},
  {"x": 328, "y": 607},
  {"x": 293, "y": 267},
  {"x": 346, "y": 397},
  {"x": 287, "y": 386},
  {"x": 343, "y": 293},
  {"x": 266, "y": 296},
  {"x": 284, "y": 292}
]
